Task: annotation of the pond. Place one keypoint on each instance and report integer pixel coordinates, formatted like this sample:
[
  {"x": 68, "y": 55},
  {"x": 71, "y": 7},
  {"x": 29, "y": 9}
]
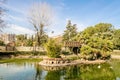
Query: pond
[{"x": 32, "y": 71}]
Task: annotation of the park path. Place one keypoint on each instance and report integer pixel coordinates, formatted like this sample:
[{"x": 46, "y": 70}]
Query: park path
[{"x": 115, "y": 56}]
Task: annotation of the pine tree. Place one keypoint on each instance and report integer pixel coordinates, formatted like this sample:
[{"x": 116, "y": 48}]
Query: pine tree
[{"x": 70, "y": 32}]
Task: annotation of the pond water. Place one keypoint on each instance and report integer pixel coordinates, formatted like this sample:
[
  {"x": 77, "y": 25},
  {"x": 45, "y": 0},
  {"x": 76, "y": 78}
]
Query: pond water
[{"x": 33, "y": 71}]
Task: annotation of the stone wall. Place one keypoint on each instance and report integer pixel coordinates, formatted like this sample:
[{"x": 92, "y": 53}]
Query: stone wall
[{"x": 55, "y": 61}]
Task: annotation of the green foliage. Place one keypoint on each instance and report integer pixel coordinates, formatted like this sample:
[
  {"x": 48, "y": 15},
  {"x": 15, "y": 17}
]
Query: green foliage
[
  {"x": 72, "y": 73},
  {"x": 29, "y": 42},
  {"x": 65, "y": 52},
  {"x": 103, "y": 27},
  {"x": 44, "y": 39},
  {"x": 90, "y": 72},
  {"x": 115, "y": 63},
  {"x": 97, "y": 40},
  {"x": 21, "y": 37},
  {"x": 89, "y": 31},
  {"x": 53, "y": 48},
  {"x": 1, "y": 43},
  {"x": 116, "y": 39},
  {"x": 70, "y": 32},
  {"x": 53, "y": 75},
  {"x": 41, "y": 38},
  {"x": 101, "y": 44},
  {"x": 22, "y": 40},
  {"x": 73, "y": 58},
  {"x": 87, "y": 52}
]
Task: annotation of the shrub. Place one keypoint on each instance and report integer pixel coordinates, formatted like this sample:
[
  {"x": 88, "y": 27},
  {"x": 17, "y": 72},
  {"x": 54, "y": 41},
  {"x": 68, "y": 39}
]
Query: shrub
[
  {"x": 90, "y": 53},
  {"x": 53, "y": 49},
  {"x": 73, "y": 58},
  {"x": 65, "y": 52},
  {"x": 86, "y": 52},
  {"x": 1, "y": 43}
]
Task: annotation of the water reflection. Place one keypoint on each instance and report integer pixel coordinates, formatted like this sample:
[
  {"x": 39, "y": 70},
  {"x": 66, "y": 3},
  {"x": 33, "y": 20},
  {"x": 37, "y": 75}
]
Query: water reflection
[
  {"x": 53, "y": 75},
  {"x": 82, "y": 72},
  {"x": 38, "y": 72},
  {"x": 90, "y": 72},
  {"x": 33, "y": 71}
]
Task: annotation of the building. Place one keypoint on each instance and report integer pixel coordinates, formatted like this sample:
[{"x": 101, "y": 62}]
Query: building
[{"x": 7, "y": 38}]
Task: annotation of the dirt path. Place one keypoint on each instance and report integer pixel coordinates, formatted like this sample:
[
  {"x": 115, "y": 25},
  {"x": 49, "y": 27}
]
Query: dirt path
[{"x": 115, "y": 56}]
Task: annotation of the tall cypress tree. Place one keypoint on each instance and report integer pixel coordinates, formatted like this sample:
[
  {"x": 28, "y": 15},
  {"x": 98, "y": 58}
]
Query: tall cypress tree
[{"x": 70, "y": 32}]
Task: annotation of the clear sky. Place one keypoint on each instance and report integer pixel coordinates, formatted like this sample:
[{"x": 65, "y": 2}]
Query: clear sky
[{"x": 84, "y": 13}]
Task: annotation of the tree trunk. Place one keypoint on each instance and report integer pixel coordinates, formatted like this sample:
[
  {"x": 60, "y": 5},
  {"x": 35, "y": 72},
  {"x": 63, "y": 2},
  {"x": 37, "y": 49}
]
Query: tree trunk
[
  {"x": 38, "y": 38},
  {"x": 39, "y": 35}
]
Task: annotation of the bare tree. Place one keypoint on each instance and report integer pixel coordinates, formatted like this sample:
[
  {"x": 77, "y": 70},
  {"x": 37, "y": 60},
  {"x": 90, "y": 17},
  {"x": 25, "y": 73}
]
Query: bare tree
[
  {"x": 40, "y": 15},
  {"x": 2, "y": 10}
]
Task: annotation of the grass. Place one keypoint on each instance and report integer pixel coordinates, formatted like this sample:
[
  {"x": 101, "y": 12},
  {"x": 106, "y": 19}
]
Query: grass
[{"x": 20, "y": 60}]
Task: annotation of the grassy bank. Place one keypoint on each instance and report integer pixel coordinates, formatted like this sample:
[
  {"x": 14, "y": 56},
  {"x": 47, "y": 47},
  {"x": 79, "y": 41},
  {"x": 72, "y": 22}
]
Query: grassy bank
[
  {"x": 20, "y": 56},
  {"x": 20, "y": 60}
]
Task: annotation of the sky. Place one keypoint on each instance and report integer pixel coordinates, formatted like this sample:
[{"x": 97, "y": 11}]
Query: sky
[{"x": 84, "y": 13}]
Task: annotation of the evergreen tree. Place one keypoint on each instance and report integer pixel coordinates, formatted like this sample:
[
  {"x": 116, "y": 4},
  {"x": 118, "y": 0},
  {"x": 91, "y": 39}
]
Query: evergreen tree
[
  {"x": 70, "y": 32},
  {"x": 97, "y": 40}
]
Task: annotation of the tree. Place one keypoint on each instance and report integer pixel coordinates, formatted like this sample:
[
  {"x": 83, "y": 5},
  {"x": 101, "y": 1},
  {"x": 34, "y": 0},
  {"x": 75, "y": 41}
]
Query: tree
[
  {"x": 104, "y": 27},
  {"x": 40, "y": 15},
  {"x": 2, "y": 10},
  {"x": 29, "y": 42},
  {"x": 98, "y": 39},
  {"x": 20, "y": 39},
  {"x": 116, "y": 39},
  {"x": 53, "y": 49},
  {"x": 70, "y": 32},
  {"x": 2, "y": 43}
]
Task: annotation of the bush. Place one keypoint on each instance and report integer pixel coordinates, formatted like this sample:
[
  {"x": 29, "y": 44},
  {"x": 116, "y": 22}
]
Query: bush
[
  {"x": 86, "y": 50},
  {"x": 1, "y": 43},
  {"x": 53, "y": 49},
  {"x": 65, "y": 52},
  {"x": 73, "y": 58},
  {"x": 90, "y": 53}
]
